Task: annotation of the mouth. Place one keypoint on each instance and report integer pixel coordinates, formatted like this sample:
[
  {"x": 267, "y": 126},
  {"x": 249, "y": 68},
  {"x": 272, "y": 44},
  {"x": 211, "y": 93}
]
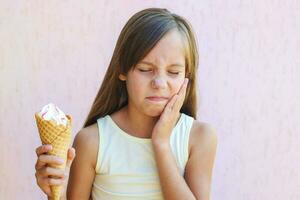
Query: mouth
[{"x": 157, "y": 99}]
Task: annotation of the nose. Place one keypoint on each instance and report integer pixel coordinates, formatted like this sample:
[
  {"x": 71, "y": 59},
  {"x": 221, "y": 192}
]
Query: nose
[{"x": 159, "y": 82}]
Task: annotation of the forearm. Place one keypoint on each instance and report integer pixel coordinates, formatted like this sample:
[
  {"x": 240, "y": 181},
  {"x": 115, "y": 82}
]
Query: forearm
[{"x": 172, "y": 183}]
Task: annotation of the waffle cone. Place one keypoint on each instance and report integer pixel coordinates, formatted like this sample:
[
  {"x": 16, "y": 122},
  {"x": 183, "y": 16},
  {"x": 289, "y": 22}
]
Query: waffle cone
[{"x": 59, "y": 136}]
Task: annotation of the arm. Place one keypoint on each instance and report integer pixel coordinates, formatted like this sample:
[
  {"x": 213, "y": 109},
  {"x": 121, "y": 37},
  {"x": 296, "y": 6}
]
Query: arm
[
  {"x": 198, "y": 168},
  {"x": 172, "y": 183},
  {"x": 82, "y": 171}
]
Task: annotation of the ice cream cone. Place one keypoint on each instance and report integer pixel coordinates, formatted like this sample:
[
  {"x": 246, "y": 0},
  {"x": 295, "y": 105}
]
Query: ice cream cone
[{"x": 59, "y": 136}]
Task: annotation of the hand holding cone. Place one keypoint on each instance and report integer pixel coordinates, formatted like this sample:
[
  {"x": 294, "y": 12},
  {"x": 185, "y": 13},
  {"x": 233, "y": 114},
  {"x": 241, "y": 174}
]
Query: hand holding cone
[{"x": 59, "y": 136}]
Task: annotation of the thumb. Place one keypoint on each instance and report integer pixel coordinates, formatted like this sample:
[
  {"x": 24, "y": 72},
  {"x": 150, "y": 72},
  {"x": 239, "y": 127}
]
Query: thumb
[{"x": 70, "y": 157}]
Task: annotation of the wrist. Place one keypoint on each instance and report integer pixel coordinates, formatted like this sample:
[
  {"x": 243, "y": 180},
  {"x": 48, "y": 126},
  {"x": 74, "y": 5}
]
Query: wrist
[
  {"x": 160, "y": 139},
  {"x": 161, "y": 144}
]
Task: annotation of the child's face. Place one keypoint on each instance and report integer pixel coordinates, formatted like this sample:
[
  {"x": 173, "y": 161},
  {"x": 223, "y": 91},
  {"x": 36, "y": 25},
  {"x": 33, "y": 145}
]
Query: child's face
[{"x": 162, "y": 78}]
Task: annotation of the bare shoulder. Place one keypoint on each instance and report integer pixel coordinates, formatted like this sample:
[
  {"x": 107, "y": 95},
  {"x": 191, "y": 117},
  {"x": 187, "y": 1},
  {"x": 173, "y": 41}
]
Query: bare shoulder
[
  {"x": 87, "y": 140},
  {"x": 199, "y": 168},
  {"x": 202, "y": 136},
  {"x": 86, "y": 147}
]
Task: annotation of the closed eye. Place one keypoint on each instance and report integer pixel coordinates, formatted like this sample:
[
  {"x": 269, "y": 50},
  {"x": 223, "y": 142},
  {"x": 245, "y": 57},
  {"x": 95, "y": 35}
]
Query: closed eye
[
  {"x": 149, "y": 70},
  {"x": 143, "y": 70},
  {"x": 176, "y": 73}
]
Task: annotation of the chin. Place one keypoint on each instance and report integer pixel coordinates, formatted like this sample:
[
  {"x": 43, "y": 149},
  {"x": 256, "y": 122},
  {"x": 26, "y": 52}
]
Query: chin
[{"x": 154, "y": 112}]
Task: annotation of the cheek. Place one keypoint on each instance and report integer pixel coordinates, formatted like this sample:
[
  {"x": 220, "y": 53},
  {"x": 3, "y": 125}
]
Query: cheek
[
  {"x": 136, "y": 88},
  {"x": 176, "y": 85}
]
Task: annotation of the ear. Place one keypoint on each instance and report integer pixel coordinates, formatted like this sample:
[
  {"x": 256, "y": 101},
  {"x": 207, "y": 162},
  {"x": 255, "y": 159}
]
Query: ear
[{"x": 122, "y": 77}]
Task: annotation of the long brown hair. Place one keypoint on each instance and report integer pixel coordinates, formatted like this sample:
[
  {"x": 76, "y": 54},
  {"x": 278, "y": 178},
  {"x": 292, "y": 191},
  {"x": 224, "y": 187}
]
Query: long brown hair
[{"x": 139, "y": 35}]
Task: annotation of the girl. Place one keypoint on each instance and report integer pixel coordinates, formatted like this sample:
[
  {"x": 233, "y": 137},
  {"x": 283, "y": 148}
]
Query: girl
[{"x": 141, "y": 139}]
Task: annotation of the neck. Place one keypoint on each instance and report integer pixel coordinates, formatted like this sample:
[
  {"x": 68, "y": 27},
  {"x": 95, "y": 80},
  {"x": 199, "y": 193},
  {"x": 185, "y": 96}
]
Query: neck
[{"x": 139, "y": 124}]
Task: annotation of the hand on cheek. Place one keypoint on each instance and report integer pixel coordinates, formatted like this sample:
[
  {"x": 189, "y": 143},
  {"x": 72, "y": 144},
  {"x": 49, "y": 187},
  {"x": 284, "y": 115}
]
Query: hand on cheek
[{"x": 163, "y": 128}]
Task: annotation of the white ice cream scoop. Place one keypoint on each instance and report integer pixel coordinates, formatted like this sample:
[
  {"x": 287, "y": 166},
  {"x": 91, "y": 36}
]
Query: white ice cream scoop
[{"x": 52, "y": 112}]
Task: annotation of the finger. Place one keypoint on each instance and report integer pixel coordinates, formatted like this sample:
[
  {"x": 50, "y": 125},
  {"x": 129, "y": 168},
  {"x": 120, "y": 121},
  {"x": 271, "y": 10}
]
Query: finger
[
  {"x": 71, "y": 156},
  {"x": 183, "y": 87},
  {"x": 44, "y": 185},
  {"x": 48, "y": 191},
  {"x": 171, "y": 103},
  {"x": 43, "y": 149},
  {"x": 54, "y": 181},
  {"x": 182, "y": 90},
  {"x": 175, "y": 102},
  {"x": 48, "y": 159},
  {"x": 52, "y": 172},
  {"x": 181, "y": 96}
]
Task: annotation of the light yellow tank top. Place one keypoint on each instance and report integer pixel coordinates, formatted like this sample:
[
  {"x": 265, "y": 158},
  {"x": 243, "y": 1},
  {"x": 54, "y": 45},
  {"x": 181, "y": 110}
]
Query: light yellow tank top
[{"x": 126, "y": 168}]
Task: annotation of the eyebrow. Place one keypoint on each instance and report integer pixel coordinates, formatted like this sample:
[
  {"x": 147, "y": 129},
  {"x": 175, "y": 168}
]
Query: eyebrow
[{"x": 152, "y": 64}]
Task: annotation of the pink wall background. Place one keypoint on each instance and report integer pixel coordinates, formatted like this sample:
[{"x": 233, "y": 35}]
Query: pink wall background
[{"x": 58, "y": 51}]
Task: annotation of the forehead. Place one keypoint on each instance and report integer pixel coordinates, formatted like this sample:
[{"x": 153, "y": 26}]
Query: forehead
[{"x": 169, "y": 49}]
